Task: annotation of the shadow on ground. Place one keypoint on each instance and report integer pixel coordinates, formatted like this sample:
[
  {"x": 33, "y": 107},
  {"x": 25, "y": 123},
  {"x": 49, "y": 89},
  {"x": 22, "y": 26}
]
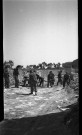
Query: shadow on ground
[{"x": 52, "y": 124}]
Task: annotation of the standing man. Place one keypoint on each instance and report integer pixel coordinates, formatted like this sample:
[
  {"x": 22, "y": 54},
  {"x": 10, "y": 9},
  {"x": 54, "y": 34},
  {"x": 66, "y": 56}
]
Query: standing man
[
  {"x": 15, "y": 74},
  {"x": 38, "y": 79},
  {"x": 33, "y": 81},
  {"x": 41, "y": 80},
  {"x": 66, "y": 79},
  {"x": 59, "y": 78},
  {"x": 71, "y": 77},
  {"x": 50, "y": 79},
  {"x": 6, "y": 77},
  {"x": 24, "y": 81}
]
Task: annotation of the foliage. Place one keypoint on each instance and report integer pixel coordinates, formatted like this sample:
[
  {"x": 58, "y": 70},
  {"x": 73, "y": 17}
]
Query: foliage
[
  {"x": 75, "y": 63},
  {"x": 67, "y": 65},
  {"x": 19, "y": 66},
  {"x": 9, "y": 64}
]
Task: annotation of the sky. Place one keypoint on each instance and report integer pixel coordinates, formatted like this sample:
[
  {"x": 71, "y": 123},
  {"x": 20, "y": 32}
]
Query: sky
[{"x": 38, "y": 31}]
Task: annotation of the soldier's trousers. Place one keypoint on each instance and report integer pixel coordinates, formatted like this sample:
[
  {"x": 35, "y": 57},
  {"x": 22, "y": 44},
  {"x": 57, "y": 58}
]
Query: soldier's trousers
[
  {"x": 24, "y": 82},
  {"x": 33, "y": 88},
  {"x": 41, "y": 82},
  {"x": 59, "y": 81},
  {"x": 16, "y": 82},
  {"x": 6, "y": 82},
  {"x": 65, "y": 82},
  {"x": 50, "y": 83}
]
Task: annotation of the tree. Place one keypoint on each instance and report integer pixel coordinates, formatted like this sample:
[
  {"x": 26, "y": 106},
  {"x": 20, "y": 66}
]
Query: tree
[
  {"x": 34, "y": 67},
  {"x": 37, "y": 66},
  {"x": 40, "y": 66},
  {"x": 28, "y": 67},
  {"x": 44, "y": 65},
  {"x": 9, "y": 64},
  {"x": 58, "y": 65},
  {"x": 75, "y": 64},
  {"x": 54, "y": 65},
  {"x": 19, "y": 66},
  {"x": 31, "y": 66},
  {"x": 67, "y": 64},
  {"x": 49, "y": 65}
]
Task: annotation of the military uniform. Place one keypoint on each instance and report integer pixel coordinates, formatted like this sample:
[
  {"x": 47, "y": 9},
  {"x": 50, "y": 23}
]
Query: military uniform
[
  {"x": 38, "y": 80},
  {"x": 6, "y": 77},
  {"x": 24, "y": 81},
  {"x": 50, "y": 79},
  {"x": 59, "y": 78},
  {"x": 16, "y": 73},
  {"x": 41, "y": 80},
  {"x": 66, "y": 79},
  {"x": 33, "y": 81}
]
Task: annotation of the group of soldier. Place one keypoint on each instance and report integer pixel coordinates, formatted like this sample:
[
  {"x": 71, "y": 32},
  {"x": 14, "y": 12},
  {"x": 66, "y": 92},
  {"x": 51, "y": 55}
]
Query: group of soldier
[
  {"x": 35, "y": 79},
  {"x": 65, "y": 79},
  {"x": 6, "y": 77}
]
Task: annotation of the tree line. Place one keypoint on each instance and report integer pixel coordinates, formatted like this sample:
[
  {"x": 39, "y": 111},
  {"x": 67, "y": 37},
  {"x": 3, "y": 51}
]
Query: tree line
[{"x": 44, "y": 65}]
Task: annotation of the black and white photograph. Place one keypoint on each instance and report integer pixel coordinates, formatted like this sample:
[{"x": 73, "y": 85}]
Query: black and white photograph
[{"x": 40, "y": 67}]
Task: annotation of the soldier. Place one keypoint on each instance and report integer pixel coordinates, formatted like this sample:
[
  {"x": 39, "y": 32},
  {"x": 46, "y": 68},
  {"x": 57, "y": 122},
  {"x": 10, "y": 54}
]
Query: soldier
[
  {"x": 59, "y": 78},
  {"x": 50, "y": 79},
  {"x": 6, "y": 77},
  {"x": 33, "y": 81},
  {"x": 24, "y": 81},
  {"x": 38, "y": 81},
  {"x": 66, "y": 79},
  {"x": 15, "y": 74},
  {"x": 41, "y": 80},
  {"x": 71, "y": 77}
]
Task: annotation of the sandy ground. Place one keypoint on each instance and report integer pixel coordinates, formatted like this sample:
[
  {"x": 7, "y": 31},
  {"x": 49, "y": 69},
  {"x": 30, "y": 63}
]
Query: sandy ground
[
  {"x": 18, "y": 103},
  {"x": 38, "y": 115}
]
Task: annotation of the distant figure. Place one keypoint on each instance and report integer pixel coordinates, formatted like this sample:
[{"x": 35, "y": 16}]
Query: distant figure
[
  {"x": 38, "y": 81},
  {"x": 6, "y": 77},
  {"x": 25, "y": 81},
  {"x": 50, "y": 79},
  {"x": 33, "y": 81},
  {"x": 71, "y": 77},
  {"x": 15, "y": 74},
  {"x": 41, "y": 80},
  {"x": 59, "y": 78},
  {"x": 66, "y": 79}
]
